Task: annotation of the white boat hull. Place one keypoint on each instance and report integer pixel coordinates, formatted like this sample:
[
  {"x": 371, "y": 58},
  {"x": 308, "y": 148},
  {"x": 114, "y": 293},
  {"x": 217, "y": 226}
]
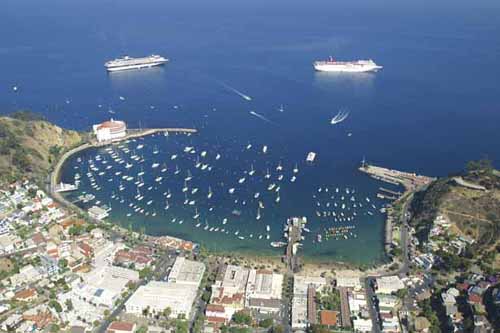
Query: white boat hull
[
  {"x": 346, "y": 69},
  {"x": 139, "y": 66}
]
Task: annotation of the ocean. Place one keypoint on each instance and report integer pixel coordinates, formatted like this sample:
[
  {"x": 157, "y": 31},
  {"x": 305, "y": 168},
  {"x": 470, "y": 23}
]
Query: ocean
[{"x": 434, "y": 106}]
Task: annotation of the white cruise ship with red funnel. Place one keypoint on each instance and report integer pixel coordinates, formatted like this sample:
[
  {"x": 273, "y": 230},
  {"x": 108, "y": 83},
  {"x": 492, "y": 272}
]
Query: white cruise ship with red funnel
[
  {"x": 127, "y": 62},
  {"x": 358, "y": 66}
]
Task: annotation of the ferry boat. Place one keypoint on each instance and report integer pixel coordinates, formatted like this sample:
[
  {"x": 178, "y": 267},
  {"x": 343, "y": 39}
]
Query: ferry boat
[
  {"x": 358, "y": 66},
  {"x": 127, "y": 62}
]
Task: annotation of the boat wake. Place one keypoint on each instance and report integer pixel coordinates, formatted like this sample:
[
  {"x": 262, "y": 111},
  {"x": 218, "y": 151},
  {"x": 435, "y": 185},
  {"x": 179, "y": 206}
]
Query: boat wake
[
  {"x": 258, "y": 115},
  {"x": 237, "y": 92},
  {"x": 340, "y": 117}
]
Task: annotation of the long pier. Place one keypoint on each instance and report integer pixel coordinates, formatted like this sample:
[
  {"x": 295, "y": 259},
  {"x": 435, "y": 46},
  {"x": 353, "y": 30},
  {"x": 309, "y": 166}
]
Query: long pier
[
  {"x": 410, "y": 181},
  {"x": 294, "y": 230}
]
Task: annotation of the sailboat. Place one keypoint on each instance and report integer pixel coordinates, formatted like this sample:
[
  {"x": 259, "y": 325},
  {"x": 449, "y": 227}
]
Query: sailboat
[
  {"x": 281, "y": 108},
  {"x": 264, "y": 149},
  {"x": 189, "y": 176},
  {"x": 268, "y": 174},
  {"x": 177, "y": 170},
  {"x": 258, "y": 214},
  {"x": 252, "y": 171},
  {"x": 296, "y": 168},
  {"x": 196, "y": 215},
  {"x": 167, "y": 205},
  {"x": 209, "y": 195}
]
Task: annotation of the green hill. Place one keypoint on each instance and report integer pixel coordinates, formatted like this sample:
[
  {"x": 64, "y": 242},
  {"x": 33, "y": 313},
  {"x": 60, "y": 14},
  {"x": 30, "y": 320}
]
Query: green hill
[
  {"x": 471, "y": 202},
  {"x": 29, "y": 145}
]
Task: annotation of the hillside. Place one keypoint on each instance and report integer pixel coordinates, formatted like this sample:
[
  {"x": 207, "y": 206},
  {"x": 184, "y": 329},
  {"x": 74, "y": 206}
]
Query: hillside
[
  {"x": 29, "y": 145},
  {"x": 471, "y": 202}
]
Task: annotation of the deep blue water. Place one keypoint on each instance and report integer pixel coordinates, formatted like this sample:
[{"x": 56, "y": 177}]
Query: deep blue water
[{"x": 434, "y": 106}]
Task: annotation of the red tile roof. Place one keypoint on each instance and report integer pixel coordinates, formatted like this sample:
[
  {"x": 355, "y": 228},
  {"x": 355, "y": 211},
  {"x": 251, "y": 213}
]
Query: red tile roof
[
  {"x": 121, "y": 326},
  {"x": 328, "y": 317}
]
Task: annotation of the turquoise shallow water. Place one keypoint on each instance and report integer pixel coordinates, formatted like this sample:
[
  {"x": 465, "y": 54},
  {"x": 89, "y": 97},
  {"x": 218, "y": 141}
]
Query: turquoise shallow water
[{"x": 434, "y": 106}]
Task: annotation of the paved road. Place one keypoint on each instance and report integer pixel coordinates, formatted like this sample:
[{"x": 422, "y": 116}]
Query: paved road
[{"x": 402, "y": 271}]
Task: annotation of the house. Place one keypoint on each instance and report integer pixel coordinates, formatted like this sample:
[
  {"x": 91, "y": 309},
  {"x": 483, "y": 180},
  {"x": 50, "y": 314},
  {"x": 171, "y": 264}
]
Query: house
[
  {"x": 86, "y": 250},
  {"x": 121, "y": 327},
  {"x": 25, "y": 295}
]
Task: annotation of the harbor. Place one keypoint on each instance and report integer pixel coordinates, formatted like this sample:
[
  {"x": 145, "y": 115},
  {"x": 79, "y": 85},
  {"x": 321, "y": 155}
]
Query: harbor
[{"x": 409, "y": 181}]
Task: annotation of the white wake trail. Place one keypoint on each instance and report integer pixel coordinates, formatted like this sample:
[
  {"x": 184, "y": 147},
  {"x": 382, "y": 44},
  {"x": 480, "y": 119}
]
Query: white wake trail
[{"x": 261, "y": 117}]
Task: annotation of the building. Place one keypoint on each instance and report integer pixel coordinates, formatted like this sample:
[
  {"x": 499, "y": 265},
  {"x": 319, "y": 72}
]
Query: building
[
  {"x": 156, "y": 296},
  {"x": 362, "y": 325},
  {"x": 229, "y": 289},
  {"x": 301, "y": 287},
  {"x": 186, "y": 272},
  {"x": 263, "y": 291},
  {"x": 389, "y": 284},
  {"x": 97, "y": 213},
  {"x": 110, "y": 130},
  {"x": 349, "y": 282}
]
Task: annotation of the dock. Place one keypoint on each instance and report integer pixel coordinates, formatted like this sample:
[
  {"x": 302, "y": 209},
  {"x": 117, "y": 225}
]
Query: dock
[
  {"x": 410, "y": 181},
  {"x": 293, "y": 232}
]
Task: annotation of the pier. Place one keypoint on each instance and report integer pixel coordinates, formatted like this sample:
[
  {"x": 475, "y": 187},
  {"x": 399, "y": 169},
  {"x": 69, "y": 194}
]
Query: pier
[
  {"x": 410, "y": 181},
  {"x": 293, "y": 231}
]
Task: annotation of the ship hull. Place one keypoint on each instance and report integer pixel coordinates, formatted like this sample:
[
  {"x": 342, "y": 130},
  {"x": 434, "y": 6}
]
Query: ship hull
[
  {"x": 346, "y": 69},
  {"x": 138, "y": 66}
]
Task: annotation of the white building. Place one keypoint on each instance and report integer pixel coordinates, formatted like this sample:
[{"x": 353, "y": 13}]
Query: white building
[
  {"x": 299, "y": 302},
  {"x": 389, "y": 284},
  {"x": 97, "y": 213},
  {"x": 349, "y": 282},
  {"x": 156, "y": 296},
  {"x": 229, "y": 289},
  {"x": 186, "y": 272},
  {"x": 362, "y": 325},
  {"x": 263, "y": 291},
  {"x": 110, "y": 130}
]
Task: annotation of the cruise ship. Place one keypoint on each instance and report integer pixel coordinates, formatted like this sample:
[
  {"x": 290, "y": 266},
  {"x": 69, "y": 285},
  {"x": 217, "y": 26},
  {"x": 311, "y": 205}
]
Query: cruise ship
[
  {"x": 358, "y": 66},
  {"x": 127, "y": 62}
]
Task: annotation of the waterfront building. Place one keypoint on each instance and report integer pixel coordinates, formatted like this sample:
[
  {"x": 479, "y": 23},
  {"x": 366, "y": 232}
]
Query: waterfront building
[
  {"x": 97, "y": 213},
  {"x": 156, "y": 296},
  {"x": 186, "y": 272},
  {"x": 303, "y": 287},
  {"x": 263, "y": 291},
  {"x": 389, "y": 284},
  {"x": 229, "y": 289},
  {"x": 110, "y": 130}
]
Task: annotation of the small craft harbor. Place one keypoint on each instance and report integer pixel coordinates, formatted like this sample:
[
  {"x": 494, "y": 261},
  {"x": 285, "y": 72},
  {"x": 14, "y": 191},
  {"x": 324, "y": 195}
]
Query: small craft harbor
[{"x": 290, "y": 256}]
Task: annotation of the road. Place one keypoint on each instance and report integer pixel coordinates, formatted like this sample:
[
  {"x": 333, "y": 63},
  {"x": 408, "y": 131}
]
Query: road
[{"x": 403, "y": 270}]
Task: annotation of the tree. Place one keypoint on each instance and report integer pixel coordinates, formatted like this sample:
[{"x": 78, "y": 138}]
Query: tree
[
  {"x": 54, "y": 304},
  {"x": 142, "y": 329},
  {"x": 167, "y": 312},
  {"x": 266, "y": 323},
  {"x": 242, "y": 317},
  {"x": 54, "y": 328},
  {"x": 63, "y": 263},
  {"x": 69, "y": 304},
  {"x": 277, "y": 329},
  {"x": 181, "y": 326},
  {"x": 145, "y": 272}
]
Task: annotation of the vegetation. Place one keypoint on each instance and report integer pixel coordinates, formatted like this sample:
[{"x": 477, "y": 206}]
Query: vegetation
[
  {"x": 329, "y": 301},
  {"x": 266, "y": 323},
  {"x": 29, "y": 145},
  {"x": 473, "y": 213},
  {"x": 242, "y": 318}
]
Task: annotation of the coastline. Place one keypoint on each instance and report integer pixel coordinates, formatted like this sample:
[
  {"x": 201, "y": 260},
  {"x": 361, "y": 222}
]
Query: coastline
[{"x": 309, "y": 266}]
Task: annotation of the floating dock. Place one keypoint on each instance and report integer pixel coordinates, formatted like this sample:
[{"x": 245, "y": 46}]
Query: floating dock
[{"x": 293, "y": 231}]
